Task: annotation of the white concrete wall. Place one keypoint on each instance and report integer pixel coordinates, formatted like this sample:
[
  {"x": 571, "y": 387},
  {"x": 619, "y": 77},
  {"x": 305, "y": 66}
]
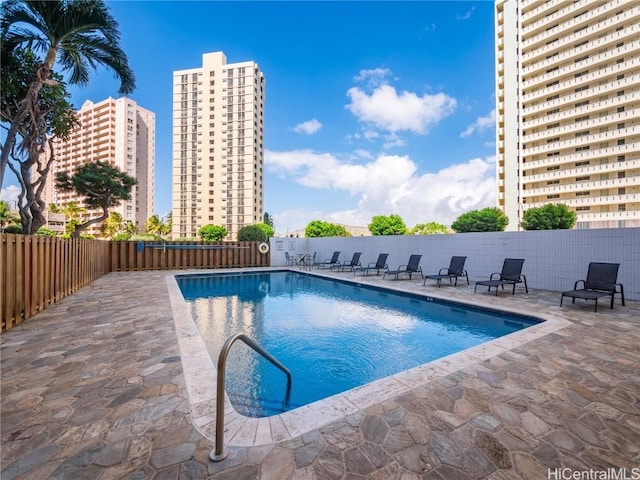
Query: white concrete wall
[{"x": 554, "y": 259}]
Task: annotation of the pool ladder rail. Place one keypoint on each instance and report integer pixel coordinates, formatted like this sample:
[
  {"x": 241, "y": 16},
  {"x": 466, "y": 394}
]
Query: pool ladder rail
[{"x": 219, "y": 453}]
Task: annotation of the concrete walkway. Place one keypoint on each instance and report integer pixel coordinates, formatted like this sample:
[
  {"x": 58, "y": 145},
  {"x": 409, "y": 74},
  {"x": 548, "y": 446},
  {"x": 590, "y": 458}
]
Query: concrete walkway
[{"x": 93, "y": 388}]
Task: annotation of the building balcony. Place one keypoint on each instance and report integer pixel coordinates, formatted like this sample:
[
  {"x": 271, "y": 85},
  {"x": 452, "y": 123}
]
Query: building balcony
[
  {"x": 592, "y": 46},
  {"x": 570, "y": 10},
  {"x": 546, "y": 6},
  {"x": 590, "y": 16},
  {"x": 593, "y": 201},
  {"x": 593, "y": 139},
  {"x": 592, "y": 31},
  {"x": 591, "y": 93},
  {"x": 571, "y": 82},
  {"x": 582, "y": 156},
  {"x": 587, "y": 109},
  {"x": 581, "y": 187},
  {"x": 608, "y": 216},
  {"x": 572, "y": 128},
  {"x": 584, "y": 170}
]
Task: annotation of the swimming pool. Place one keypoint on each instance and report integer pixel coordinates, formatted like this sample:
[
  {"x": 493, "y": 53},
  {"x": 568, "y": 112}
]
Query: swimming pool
[{"x": 332, "y": 335}]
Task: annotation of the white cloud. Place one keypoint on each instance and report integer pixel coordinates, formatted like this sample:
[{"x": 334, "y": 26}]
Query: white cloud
[
  {"x": 388, "y": 110},
  {"x": 309, "y": 127},
  {"x": 10, "y": 194},
  {"x": 467, "y": 15},
  {"x": 481, "y": 124},
  {"x": 387, "y": 184},
  {"x": 373, "y": 77}
]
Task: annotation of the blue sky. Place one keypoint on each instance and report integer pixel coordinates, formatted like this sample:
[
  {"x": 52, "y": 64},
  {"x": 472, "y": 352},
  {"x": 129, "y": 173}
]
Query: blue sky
[{"x": 371, "y": 108}]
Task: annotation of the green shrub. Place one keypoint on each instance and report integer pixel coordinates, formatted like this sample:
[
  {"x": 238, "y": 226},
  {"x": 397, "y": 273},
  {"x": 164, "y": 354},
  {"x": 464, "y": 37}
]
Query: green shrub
[
  {"x": 252, "y": 233},
  {"x": 13, "y": 229}
]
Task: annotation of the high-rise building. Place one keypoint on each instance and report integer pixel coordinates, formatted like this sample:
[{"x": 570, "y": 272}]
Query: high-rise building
[
  {"x": 122, "y": 133},
  {"x": 218, "y": 152},
  {"x": 567, "y": 108}
]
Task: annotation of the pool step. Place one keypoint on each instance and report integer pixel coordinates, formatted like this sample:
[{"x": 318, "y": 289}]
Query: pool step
[{"x": 257, "y": 407}]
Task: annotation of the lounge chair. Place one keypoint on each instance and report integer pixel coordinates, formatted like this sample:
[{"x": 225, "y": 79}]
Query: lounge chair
[
  {"x": 327, "y": 262},
  {"x": 455, "y": 270},
  {"x": 354, "y": 262},
  {"x": 601, "y": 282},
  {"x": 511, "y": 275},
  {"x": 380, "y": 264},
  {"x": 411, "y": 267},
  {"x": 306, "y": 260}
]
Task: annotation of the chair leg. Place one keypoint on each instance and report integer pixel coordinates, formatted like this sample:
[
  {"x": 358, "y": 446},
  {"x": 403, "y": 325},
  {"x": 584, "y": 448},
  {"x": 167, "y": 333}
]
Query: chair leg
[
  {"x": 612, "y": 295},
  {"x": 561, "y": 297},
  {"x": 596, "y": 308}
]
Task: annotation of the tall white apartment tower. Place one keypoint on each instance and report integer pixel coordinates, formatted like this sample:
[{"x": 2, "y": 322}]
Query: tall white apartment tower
[
  {"x": 218, "y": 154},
  {"x": 122, "y": 133},
  {"x": 568, "y": 109}
]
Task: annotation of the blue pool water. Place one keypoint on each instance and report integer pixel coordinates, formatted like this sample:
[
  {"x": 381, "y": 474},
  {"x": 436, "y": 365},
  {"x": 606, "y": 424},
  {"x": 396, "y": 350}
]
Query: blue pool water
[{"x": 331, "y": 335}]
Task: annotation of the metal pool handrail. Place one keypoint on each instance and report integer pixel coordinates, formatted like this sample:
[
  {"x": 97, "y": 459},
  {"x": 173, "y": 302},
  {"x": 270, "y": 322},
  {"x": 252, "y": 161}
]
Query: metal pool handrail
[{"x": 219, "y": 454}]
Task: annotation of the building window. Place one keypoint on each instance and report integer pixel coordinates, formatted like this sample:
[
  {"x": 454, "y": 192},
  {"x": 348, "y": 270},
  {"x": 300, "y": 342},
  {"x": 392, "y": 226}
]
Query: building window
[
  {"x": 586, "y": 193},
  {"x": 553, "y": 196},
  {"x": 582, "y": 179}
]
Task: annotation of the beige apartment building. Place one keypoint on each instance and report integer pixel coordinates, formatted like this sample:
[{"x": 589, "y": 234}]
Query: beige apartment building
[
  {"x": 122, "y": 133},
  {"x": 568, "y": 116},
  {"x": 218, "y": 153}
]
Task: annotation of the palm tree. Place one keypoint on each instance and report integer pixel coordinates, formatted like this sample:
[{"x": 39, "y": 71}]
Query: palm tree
[
  {"x": 80, "y": 34},
  {"x": 153, "y": 225},
  {"x": 73, "y": 210},
  {"x": 113, "y": 225}
]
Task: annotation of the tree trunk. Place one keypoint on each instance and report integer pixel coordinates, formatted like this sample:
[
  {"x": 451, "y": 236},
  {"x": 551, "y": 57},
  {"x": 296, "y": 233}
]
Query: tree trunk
[
  {"x": 79, "y": 228},
  {"x": 31, "y": 210}
]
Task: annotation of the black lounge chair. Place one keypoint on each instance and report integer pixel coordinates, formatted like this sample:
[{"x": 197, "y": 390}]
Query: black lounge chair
[
  {"x": 455, "y": 270},
  {"x": 410, "y": 268},
  {"x": 601, "y": 282},
  {"x": 511, "y": 275},
  {"x": 354, "y": 262},
  {"x": 327, "y": 262},
  {"x": 380, "y": 264}
]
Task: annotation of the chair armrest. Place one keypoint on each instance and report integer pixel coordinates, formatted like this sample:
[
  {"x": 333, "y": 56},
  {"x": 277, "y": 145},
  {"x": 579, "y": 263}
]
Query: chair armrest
[
  {"x": 443, "y": 271},
  {"x": 496, "y": 273},
  {"x": 371, "y": 264},
  {"x": 575, "y": 285}
]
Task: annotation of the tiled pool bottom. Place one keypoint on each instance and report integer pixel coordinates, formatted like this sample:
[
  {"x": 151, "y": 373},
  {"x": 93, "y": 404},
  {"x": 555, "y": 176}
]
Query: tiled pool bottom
[{"x": 200, "y": 373}]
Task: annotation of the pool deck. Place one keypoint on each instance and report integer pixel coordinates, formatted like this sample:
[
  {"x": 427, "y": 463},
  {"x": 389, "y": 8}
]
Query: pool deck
[{"x": 98, "y": 387}]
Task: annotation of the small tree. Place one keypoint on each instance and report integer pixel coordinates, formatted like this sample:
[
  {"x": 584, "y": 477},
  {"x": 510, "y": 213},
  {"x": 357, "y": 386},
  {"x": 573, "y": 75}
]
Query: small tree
[
  {"x": 7, "y": 217},
  {"x": 252, "y": 233},
  {"x": 387, "y": 225},
  {"x": 212, "y": 233},
  {"x": 549, "y": 217},
  {"x": 319, "y": 228},
  {"x": 266, "y": 228},
  {"x": 490, "y": 219},
  {"x": 429, "y": 228},
  {"x": 102, "y": 186}
]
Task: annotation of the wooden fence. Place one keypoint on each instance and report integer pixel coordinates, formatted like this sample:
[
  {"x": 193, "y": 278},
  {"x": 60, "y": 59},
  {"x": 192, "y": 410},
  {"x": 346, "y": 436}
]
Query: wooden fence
[{"x": 38, "y": 271}]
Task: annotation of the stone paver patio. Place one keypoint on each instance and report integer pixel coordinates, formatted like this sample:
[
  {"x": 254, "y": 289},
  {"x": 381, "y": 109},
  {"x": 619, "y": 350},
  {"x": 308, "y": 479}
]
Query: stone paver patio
[{"x": 93, "y": 388}]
